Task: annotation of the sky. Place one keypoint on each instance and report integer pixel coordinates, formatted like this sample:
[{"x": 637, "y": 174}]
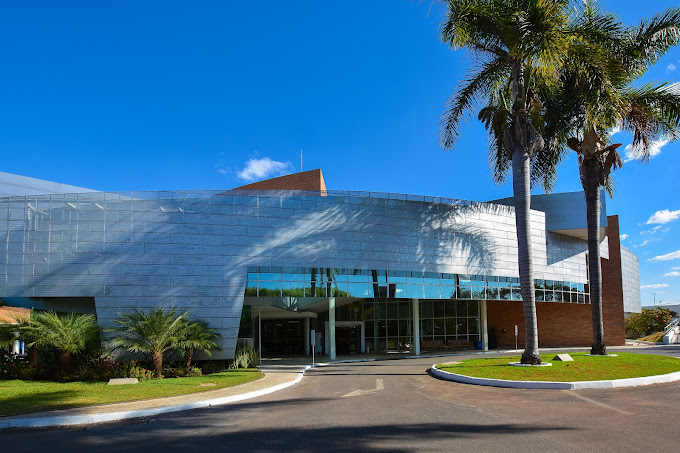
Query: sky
[{"x": 155, "y": 95}]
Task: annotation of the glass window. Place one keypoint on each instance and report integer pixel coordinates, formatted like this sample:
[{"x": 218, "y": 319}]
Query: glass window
[
  {"x": 369, "y": 330},
  {"x": 505, "y": 294},
  {"x": 472, "y": 308},
  {"x": 539, "y": 296},
  {"x": 270, "y": 276},
  {"x": 557, "y": 296},
  {"x": 448, "y": 292},
  {"x": 426, "y": 327},
  {"x": 357, "y": 290},
  {"x": 414, "y": 291},
  {"x": 473, "y": 325},
  {"x": 382, "y": 328},
  {"x": 461, "y": 308},
  {"x": 404, "y": 310},
  {"x": 431, "y": 292},
  {"x": 450, "y": 326},
  {"x": 492, "y": 293},
  {"x": 380, "y": 312},
  {"x": 438, "y": 308},
  {"x": 404, "y": 328},
  {"x": 439, "y": 326},
  {"x": 292, "y": 289},
  {"x": 426, "y": 309},
  {"x": 270, "y": 289},
  {"x": 516, "y": 294},
  {"x": 392, "y": 328},
  {"x": 464, "y": 292},
  {"x": 462, "y": 324},
  {"x": 477, "y": 292},
  {"x": 368, "y": 310},
  {"x": 392, "y": 310},
  {"x": 548, "y": 295}
]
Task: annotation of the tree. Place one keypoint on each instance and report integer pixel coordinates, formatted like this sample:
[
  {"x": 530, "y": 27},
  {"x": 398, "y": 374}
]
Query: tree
[
  {"x": 69, "y": 333},
  {"x": 648, "y": 321},
  {"x": 197, "y": 335},
  {"x": 154, "y": 332},
  {"x": 597, "y": 94},
  {"x": 517, "y": 46}
]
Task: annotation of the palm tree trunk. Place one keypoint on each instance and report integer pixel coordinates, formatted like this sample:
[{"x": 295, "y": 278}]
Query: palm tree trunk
[
  {"x": 65, "y": 362},
  {"x": 33, "y": 356},
  {"x": 521, "y": 178},
  {"x": 157, "y": 359},
  {"x": 591, "y": 185},
  {"x": 189, "y": 354}
]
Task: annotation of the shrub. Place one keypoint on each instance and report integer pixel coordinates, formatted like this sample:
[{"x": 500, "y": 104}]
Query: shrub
[
  {"x": 213, "y": 366},
  {"x": 647, "y": 322},
  {"x": 245, "y": 357},
  {"x": 181, "y": 371}
]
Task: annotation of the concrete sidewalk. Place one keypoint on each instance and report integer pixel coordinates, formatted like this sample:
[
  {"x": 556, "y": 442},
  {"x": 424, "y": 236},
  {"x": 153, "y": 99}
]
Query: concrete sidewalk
[{"x": 276, "y": 377}]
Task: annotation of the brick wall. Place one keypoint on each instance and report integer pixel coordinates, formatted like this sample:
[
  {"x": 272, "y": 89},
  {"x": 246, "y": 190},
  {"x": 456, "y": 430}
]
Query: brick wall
[
  {"x": 307, "y": 180},
  {"x": 562, "y": 324}
]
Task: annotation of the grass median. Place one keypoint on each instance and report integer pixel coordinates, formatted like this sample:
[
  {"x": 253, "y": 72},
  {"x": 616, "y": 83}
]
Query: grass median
[
  {"x": 583, "y": 368},
  {"x": 20, "y": 397}
]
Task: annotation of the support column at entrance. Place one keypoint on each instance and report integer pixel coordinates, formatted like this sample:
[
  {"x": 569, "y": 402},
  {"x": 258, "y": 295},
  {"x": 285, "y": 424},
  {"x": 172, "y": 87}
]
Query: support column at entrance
[
  {"x": 331, "y": 326},
  {"x": 484, "y": 330},
  {"x": 259, "y": 334},
  {"x": 307, "y": 334},
  {"x": 416, "y": 326}
]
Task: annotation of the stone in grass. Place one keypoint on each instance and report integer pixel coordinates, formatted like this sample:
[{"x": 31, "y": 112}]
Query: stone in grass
[
  {"x": 208, "y": 384},
  {"x": 563, "y": 358},
  {"x": 123, "y": 381}
]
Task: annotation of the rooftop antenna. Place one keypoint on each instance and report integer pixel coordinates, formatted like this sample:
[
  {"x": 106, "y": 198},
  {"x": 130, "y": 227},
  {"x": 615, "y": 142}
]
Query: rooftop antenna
[{"x": 300, "y": 160}]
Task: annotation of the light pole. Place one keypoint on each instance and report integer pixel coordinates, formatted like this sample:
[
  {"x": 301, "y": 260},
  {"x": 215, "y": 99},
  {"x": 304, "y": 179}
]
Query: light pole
[{"x": 655, "y": 293}]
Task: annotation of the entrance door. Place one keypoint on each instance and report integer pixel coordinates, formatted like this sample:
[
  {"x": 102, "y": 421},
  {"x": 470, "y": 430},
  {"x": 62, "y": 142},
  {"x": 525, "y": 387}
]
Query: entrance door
[{"x": 342, "y": 340}]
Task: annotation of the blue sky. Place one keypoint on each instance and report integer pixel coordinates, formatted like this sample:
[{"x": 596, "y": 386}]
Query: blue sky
[{"x": 210, "y": 95}]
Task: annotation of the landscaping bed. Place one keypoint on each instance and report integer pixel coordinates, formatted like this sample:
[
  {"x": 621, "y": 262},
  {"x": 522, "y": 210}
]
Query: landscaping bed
[
  {"x": 583, "y": 368},
  {"x": 20, "y": 397}
]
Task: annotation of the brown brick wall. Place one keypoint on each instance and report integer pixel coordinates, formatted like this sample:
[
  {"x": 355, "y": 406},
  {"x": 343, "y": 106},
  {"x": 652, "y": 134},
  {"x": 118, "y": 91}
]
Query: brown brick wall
[
  {"x": 563, "y": 324},
  {"x": 307, "y": 180}
]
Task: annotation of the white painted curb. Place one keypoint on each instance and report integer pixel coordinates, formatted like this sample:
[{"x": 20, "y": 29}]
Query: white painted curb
[
  {"x": 68, "y": 420},
  {"x": 577, "y": 385}
]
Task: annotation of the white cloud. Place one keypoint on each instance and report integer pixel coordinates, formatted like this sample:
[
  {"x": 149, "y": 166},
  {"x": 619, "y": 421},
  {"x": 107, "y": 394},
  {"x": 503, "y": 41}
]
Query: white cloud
[
  {"x": 645, "y": 242},
  {"x": 655, "y": 286},
  {"x": 672, "y": 274},
  {"x": 655, "y": 149},
  {"x": 257, "y": 169},
  {"x": 652, "y": 231},
  {"x": 663, "y": 216},
  {"x": 671, "y": 67},
  {"x": 623, "y": 237},
  {"x": 222, "y": 171},
  {"x": 667, "y": 257},
  {"x": 615, "y": 130},
  {"x": 676, "y": 268}
]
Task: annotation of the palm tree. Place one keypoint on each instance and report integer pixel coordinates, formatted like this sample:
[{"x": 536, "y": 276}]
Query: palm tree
[
  {"x": 518, "y": 46},
  {"x": 598, "y": 95},
  {"x": 69, "y": 333},
  {"x": 154, "y": 332},
  {"x": 197, "y": 335}
]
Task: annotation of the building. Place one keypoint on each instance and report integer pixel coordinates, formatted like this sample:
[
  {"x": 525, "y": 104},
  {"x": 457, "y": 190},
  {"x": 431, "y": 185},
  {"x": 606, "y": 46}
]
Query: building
[{"x": 274, "y": 260}]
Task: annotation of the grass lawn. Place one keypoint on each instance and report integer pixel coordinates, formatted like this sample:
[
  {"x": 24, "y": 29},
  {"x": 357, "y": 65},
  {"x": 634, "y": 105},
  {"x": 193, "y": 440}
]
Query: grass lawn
[
  {"x": 583, "y": 368},
  {"x": 20, "y": 397}
]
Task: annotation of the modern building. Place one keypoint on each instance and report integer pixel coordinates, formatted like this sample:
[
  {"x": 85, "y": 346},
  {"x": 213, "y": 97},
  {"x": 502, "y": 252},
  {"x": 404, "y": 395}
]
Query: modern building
[{"x": 274, "y": 260}]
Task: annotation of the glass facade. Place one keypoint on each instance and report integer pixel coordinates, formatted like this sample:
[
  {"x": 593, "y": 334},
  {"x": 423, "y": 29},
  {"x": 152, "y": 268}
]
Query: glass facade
[{"x": 270, "y": 281}]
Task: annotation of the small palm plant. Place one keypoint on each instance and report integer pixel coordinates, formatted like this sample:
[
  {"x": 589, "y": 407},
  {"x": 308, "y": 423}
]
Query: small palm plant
[
  {"x": 154, "y": 332},
  {"x": 69, "y": 333},
  {"x": 197, "y": 336}
]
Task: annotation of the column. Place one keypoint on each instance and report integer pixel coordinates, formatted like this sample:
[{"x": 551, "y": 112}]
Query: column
[
  {"x": 259, "y": 334},
  {"x": 483, "y": 328},
  {"x": 331, "y": 326},
  {"x": 416, "y": 327},
  {"x": 307, "y": 334}
]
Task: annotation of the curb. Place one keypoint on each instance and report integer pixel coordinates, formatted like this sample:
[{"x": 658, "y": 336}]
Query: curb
[
  {"x": 576, "y": 385},
  {"x": 70, "y": 420}
]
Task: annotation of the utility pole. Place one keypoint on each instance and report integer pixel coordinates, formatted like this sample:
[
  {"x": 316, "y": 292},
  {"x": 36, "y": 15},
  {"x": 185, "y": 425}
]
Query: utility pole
[
  {"x": 300, "y": 160},
  {"x": 655, "y": 293}
]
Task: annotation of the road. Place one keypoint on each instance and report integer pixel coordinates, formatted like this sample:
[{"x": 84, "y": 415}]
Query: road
[{"x": 393, "y": 406}]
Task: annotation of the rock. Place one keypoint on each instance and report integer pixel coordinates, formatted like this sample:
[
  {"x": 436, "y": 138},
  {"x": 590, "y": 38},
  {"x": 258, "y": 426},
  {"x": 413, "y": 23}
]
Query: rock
[
  {"x": 563, "y": 358},
  {"x": 208, "y": 384},
  {"x": 123, "y": 381}
]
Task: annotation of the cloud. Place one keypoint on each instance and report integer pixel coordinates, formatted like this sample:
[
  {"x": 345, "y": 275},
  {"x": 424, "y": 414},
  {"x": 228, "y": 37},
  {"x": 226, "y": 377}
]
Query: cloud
[
  {"x": 624, "y": 237},
  {"x": 655, "y": 149},
  {"x": 655, "y": 286},
  {"x": 671, "y": 67},
  {"x": 222, "y": 171},
  {"x": 257, "y": 169},
  {"x": 645, "y": 242},
  {"x": 652, "y": 231},
  {"x": 667, "y": 257},
  {"x": 663, "y": 216},
  {"x": 677, "y": 268},
  {"x": 614, "y": 130},
  {"x": 672, "y": 274}
]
